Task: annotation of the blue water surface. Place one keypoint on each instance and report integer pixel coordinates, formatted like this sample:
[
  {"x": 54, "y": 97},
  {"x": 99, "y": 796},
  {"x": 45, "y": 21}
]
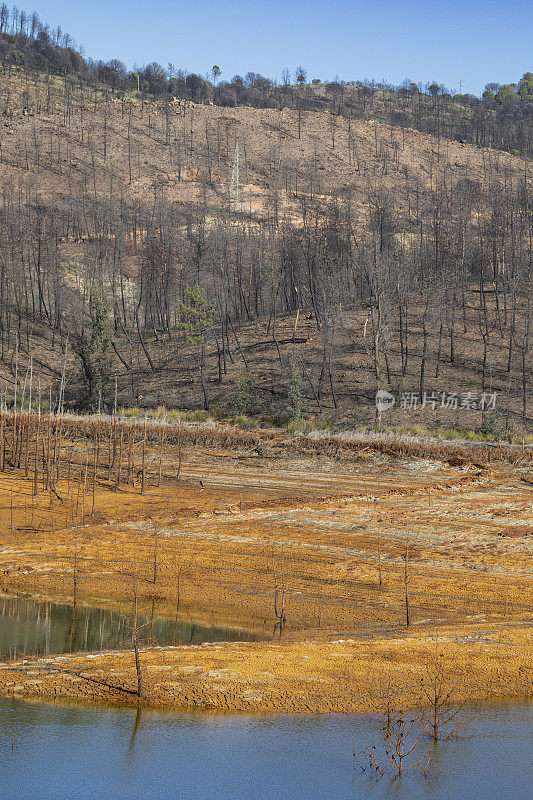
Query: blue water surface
[{"x": 56, "y": 752}]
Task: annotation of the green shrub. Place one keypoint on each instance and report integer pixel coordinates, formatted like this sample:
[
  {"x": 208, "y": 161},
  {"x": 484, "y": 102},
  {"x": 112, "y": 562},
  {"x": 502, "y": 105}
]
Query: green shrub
[
  {"x": 309, "y": 425},
  {"x": 297, "y": 399},
  {"x": 246, "y": 401},
  {"x": 489, "y": 425}
]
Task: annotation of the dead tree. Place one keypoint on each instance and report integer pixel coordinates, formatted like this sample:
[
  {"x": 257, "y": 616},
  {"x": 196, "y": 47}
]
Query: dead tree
[
  {"x": 397, "y": 752},
  {"x": 406, "y": 580},
  {"x": 445, "y": 718},
  {"x": 136, "y": 647}
]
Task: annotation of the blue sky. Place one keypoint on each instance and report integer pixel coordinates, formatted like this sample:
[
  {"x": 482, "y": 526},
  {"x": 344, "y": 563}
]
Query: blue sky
[{"x": 446, "y": 41}]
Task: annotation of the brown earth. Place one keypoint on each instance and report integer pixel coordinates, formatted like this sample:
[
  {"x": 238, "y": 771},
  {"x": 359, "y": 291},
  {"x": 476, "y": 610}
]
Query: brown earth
[
  {"x": 53, "y": 137},
  {"x": 175, "y": 383}
]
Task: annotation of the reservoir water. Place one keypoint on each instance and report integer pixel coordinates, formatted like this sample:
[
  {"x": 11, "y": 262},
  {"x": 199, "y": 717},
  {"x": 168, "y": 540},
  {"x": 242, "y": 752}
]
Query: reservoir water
[
  {"x": 29, "y": 627},
  {"x": 60, "y": 752},
  {"x": 75, "y": 752}
]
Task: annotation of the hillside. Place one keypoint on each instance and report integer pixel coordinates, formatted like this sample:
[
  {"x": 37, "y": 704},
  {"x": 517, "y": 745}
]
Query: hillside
[
  {"x": 501, "y": 118},
  {"x": 70, "y": 135},
  {"x": 357, "y": 256}
]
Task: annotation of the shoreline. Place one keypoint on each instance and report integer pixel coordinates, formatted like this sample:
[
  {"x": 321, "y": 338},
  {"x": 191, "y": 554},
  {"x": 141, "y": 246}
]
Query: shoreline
[{"x": 344, "y": 675}]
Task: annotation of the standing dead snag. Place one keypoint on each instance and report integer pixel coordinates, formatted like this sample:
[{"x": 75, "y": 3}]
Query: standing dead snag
[
  {"x": 143, "y": 455},
  {"x": 379, "y": 560},
  {"x": 74, "y": 533},
  {"x": 155, "y": 552},
  {"x": 279, "y": 593},
  {"x": 445, "y": 718},
  {"x": 179, "y": 454},
  {"x": 119, "y": 464},
  {"x": 96, "y": 445},
  {"x": 178, "y": 576},
  {"x": 281, "y": 613},
  {"x": 48, "y": 448},
  {"x": 407, "y": 609},
  {"x": 131, "y": 453},
  {"x": 161, "y": 457},
  {"x": 84, "y": 489},
  {"x": 136, "y": 647},
  {"x": 37, "y": 436}
]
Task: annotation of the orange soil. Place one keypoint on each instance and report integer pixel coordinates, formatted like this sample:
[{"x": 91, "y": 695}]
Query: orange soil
[{"x": 235, "y": 527}]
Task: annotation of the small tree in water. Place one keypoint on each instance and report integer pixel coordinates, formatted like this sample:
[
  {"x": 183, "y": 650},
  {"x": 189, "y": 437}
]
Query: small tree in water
[
  {"x": 445, "y": 718},
  {"x": 400, "y": 751},
  {"x": 403, "y": 747}
]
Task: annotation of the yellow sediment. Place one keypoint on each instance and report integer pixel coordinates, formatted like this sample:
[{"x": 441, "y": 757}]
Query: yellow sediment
[
  {"x": 235, "y": 528},
  {"x": 340, "y": 675}
]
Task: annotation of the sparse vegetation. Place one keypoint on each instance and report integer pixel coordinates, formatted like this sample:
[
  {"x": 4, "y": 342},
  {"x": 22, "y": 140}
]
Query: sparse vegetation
[
  {"x": 333, "y": 261},
  {"x": 266, "y": 411}
]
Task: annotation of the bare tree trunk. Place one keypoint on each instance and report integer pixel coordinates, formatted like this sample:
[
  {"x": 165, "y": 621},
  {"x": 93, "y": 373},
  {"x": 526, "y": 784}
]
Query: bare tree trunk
[
  {"x": 407, "y": 609},
  {"x": 143, "y": 456},
  {"x": 155, "y": 553},
  {"x": 136, "y": 649}
]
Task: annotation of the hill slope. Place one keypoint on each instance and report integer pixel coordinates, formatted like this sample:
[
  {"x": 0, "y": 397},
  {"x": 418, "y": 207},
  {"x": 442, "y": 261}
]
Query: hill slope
[{"x": 356, "y": 256}]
